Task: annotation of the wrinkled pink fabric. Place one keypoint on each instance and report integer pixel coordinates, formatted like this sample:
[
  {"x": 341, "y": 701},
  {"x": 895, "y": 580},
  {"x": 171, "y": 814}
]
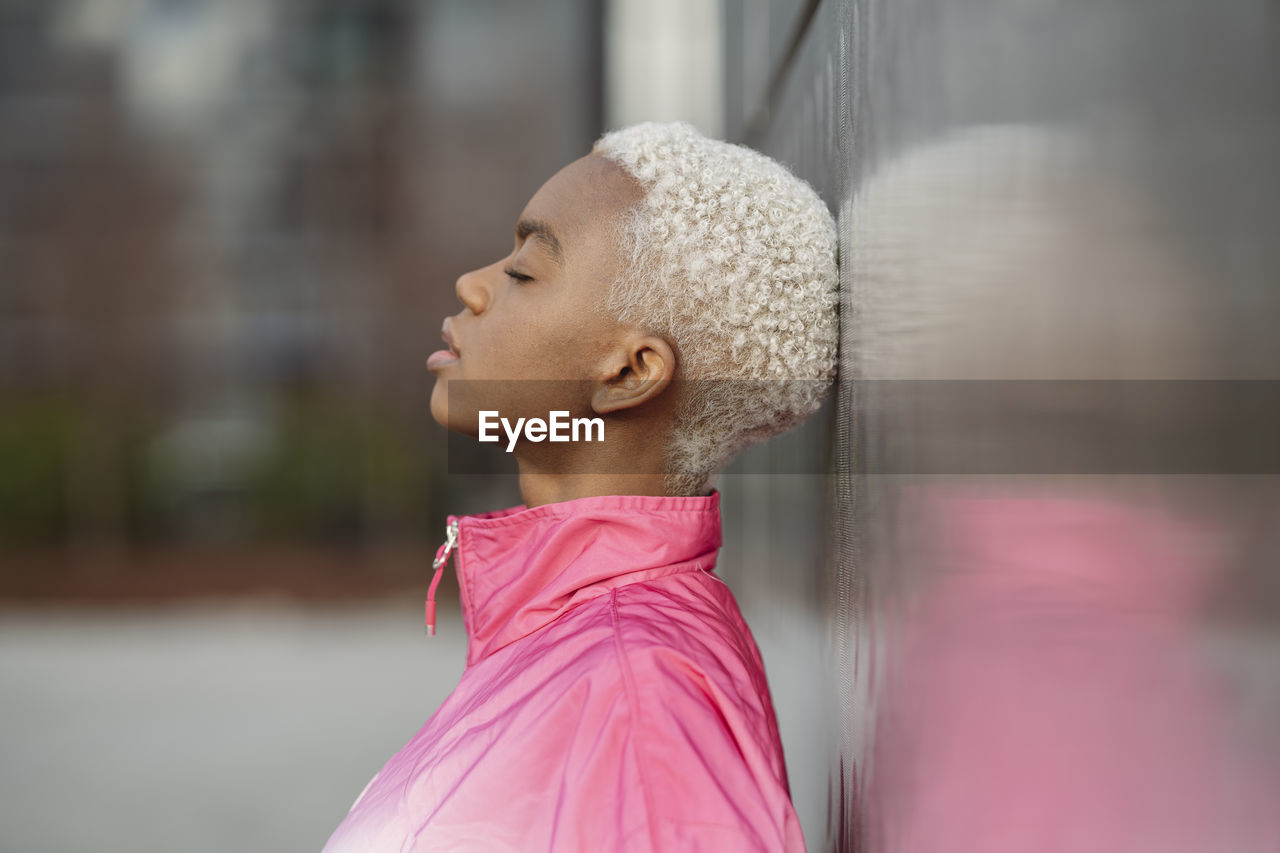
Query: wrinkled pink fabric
[{"x": 613, "y": 697}]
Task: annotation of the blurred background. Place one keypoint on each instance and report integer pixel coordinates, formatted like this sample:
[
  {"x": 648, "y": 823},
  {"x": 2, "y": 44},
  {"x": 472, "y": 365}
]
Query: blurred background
[{"x": 229, "y": 231}]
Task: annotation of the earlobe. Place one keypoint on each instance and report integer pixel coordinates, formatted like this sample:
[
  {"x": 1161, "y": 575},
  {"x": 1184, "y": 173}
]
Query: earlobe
[{"x": 642, "y": 371}]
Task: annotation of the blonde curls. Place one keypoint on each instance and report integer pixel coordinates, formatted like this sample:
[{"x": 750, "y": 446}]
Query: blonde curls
[{"x": 733, "y": 258}]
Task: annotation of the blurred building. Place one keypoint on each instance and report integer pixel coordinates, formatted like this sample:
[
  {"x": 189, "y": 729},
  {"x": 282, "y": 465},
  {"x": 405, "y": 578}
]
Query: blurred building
[{"x": 229, "y": 232}]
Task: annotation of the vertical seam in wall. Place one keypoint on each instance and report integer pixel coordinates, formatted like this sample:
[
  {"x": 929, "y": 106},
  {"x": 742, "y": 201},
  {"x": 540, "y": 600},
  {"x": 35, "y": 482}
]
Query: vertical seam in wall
[{"x": 799, "y": 30}]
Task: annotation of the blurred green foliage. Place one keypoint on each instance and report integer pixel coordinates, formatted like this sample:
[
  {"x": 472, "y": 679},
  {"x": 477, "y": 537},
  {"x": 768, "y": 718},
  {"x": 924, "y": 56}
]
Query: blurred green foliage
[
  {"x": 36, "y": 437},
  {"x": 333, "y": 470},
  {"x": 327, "y": 469}
]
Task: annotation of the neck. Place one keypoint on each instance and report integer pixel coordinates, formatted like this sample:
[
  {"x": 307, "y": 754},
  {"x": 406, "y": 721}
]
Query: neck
[
  {"x": 630, "y": 464},
  {"x": 539, "y": 487}
]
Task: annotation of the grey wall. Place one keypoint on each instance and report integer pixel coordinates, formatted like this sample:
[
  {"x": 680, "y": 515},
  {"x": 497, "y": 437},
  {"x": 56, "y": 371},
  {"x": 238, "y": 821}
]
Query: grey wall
[{"x": 1058, "y": 196}]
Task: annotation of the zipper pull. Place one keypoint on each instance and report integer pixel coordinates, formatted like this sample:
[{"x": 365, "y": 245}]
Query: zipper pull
[{"x": 442, "y": 557}]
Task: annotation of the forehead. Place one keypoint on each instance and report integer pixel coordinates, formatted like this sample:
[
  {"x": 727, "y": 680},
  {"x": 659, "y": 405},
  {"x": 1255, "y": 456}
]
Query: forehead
[{"x": 581, "y": 203}]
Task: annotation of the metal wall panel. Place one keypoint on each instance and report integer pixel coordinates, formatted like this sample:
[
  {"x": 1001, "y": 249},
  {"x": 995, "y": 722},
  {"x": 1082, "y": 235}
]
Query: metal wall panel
[
  {"x": 1037, "y": 202},
  {"x": 759, "y": 35}
]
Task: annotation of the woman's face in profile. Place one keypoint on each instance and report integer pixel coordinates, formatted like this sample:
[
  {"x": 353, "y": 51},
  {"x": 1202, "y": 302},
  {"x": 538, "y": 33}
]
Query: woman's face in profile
[{"x": 537, "y": 313}]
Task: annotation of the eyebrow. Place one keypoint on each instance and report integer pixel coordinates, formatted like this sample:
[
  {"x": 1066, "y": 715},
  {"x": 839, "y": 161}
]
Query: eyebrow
[{"x": 526, "y": 228}]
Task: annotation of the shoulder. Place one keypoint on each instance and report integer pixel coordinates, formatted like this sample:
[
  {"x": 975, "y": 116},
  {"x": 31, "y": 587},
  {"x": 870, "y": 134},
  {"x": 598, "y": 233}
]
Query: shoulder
[
  {"x": 690, "y": 670},
  {"x": 641, "y": 716},
  {"x": 687, "y": 626},
  {"x": 701, "y": 727}
]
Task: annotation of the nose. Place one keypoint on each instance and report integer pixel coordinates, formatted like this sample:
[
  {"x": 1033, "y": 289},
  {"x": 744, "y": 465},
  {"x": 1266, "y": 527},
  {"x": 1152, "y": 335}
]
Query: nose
[{"x": 472, "y": 291}]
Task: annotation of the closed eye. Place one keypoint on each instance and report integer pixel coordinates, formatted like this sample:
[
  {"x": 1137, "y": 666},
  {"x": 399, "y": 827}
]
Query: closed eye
[{"x": 518, "y": 276}]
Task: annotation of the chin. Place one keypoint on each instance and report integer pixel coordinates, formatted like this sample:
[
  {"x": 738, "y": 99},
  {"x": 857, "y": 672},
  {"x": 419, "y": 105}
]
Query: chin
[
  {"x": 462, "y": 419},
  {"x": 440, "y": 404}
]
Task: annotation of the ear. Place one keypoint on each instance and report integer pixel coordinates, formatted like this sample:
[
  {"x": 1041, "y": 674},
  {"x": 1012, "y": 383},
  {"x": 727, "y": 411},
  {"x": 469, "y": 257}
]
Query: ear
[{"x": 637, "y": 371}]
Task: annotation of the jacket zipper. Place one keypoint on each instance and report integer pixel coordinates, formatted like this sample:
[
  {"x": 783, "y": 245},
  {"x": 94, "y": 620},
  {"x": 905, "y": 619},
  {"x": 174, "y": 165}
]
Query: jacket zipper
[{"x": 442, "y": 557}]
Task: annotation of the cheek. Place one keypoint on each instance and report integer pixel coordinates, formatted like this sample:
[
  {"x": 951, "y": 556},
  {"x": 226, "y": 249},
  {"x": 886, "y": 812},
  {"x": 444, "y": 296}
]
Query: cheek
[
  {"x": 572, "y": 333},
  {"x": 534, "y": 346},
  {"x": 510, "y": 335},
  {"x": 534, "y": 338}
]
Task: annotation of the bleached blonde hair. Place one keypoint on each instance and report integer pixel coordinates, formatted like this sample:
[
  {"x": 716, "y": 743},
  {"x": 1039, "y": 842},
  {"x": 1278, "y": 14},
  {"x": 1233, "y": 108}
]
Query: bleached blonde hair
[{"x": 733, "y": 259}]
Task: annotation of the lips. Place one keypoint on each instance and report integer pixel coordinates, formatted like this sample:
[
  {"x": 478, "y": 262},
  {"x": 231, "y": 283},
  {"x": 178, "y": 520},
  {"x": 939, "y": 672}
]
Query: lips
[
  {"x": 446, "y": 333},
  {"x": 441, "y": 358}
]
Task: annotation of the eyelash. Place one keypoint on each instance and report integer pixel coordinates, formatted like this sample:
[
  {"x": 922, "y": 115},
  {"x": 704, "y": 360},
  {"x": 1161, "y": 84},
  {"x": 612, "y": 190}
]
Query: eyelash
[{"x": 518, "y": 276}]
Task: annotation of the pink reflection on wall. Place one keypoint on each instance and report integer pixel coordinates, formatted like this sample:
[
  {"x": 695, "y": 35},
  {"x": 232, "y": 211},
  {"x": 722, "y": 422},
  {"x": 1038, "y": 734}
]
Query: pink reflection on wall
[{"x": 1046, "y": 694}]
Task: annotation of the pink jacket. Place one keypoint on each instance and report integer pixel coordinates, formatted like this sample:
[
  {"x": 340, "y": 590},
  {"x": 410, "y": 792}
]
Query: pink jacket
[{"x": 613, "y": 697}]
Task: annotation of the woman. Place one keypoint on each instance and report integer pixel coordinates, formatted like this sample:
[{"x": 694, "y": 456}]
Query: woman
[{"x": 682, "y": 291}]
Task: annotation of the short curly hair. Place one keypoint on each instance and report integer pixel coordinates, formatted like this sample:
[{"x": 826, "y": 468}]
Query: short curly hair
[{"x": 733, "y": 259}]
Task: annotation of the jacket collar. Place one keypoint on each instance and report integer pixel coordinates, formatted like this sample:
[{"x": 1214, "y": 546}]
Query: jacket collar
[{"x": 520, "y": 568}]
